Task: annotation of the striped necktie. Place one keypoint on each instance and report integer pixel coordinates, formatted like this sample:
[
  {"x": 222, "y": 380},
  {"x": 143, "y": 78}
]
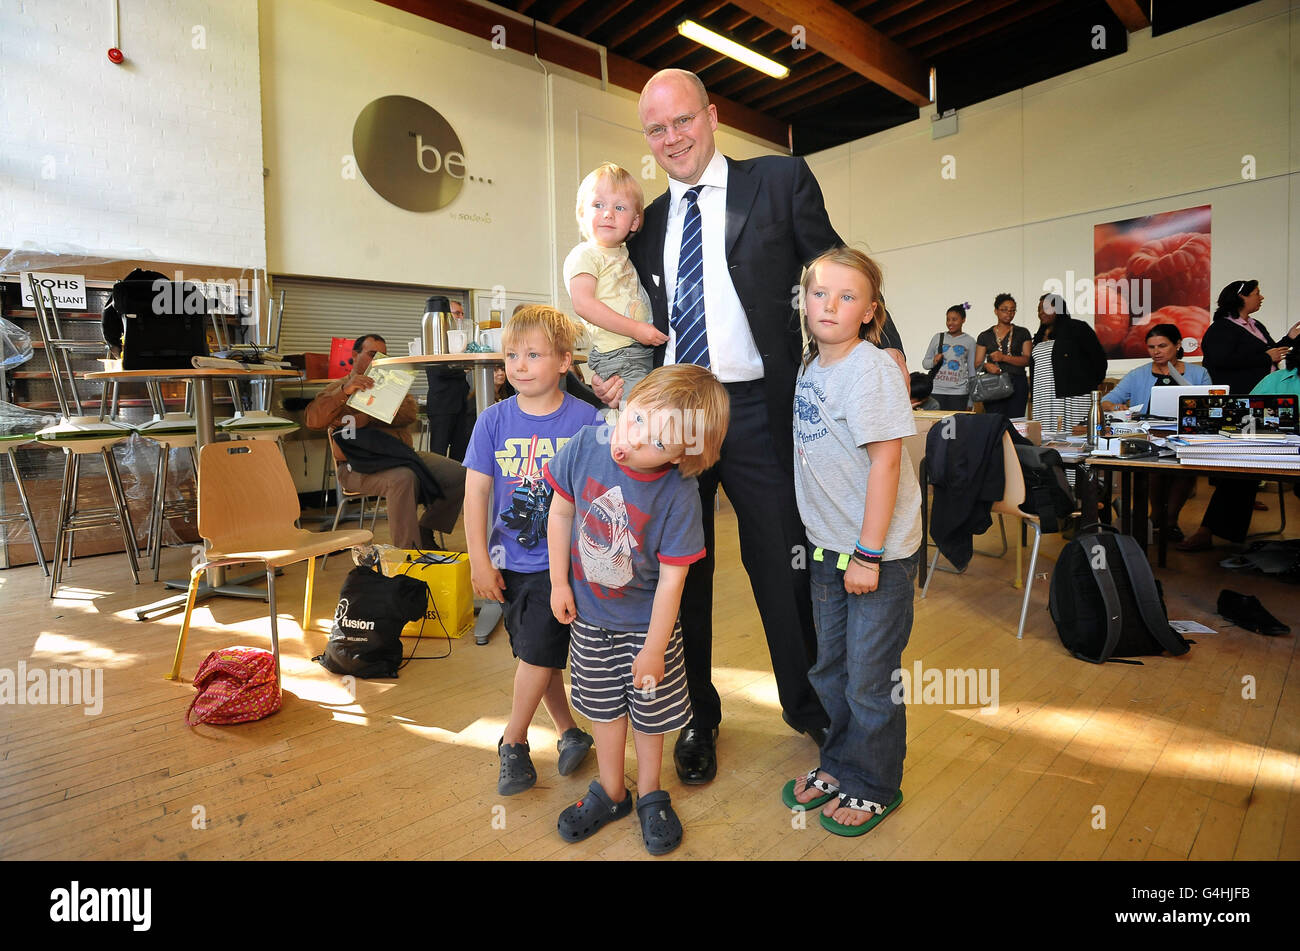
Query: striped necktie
[{"x": 692, "y": 341}]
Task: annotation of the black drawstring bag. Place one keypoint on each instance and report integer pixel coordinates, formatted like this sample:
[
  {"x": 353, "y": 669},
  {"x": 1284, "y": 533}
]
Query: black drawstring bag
[{"x": 366, "y": 639}]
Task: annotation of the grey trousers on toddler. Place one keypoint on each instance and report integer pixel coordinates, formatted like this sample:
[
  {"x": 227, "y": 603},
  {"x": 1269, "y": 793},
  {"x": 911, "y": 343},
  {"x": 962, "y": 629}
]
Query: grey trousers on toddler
[{"x": 632, "y": 363}]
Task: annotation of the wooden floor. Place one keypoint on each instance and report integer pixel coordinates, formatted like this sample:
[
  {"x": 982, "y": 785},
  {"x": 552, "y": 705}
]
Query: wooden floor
[{"x": 1161, "y": 761}]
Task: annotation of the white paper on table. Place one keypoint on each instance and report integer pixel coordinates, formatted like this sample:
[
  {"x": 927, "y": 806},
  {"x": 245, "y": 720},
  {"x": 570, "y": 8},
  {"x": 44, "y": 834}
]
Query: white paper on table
[
  {"x": 1191, "y": 627},
  {"x": 383, "y": 400}
]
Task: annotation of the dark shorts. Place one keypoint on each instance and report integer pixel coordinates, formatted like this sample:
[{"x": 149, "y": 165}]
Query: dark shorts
[{"x": 535, "y": 636}]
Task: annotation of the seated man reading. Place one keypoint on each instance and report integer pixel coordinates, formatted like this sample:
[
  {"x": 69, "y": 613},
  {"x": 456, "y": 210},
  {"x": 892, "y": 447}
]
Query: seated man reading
[{"x": 377, "y": 458}]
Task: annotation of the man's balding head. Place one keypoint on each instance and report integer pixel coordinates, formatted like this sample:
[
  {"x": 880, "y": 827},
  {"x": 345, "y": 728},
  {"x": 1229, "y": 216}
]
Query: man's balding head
[{"x": 678, "y": 123}]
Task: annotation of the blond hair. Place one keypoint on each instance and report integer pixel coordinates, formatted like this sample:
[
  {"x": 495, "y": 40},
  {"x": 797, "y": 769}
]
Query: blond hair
[
  {"x": 704, "y": 407},
  {"x": 559, "y": 331},
  {"x": 871, "y": 330},
  {"x": 619, "y": 179}
]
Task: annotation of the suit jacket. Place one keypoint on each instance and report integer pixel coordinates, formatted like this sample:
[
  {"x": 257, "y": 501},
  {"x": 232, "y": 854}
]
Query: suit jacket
[
  {"x": 1234, "y": 357},
  {"x": 776, "y": 224}
]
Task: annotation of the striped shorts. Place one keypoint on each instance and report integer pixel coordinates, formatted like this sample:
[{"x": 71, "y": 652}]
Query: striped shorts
[{"x": 600, "y": 664}]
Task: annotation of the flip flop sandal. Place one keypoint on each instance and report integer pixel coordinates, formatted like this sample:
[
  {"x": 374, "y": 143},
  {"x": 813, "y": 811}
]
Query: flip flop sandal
[
  {"x": 660, "y": 827},
  {"x": 517, "y": 772},
  {"x": 589, "y": 813},
  {"x": 863, "y": 805},
  {"x": 828, "y": 790},
  {"x": 573, "y": 746}
]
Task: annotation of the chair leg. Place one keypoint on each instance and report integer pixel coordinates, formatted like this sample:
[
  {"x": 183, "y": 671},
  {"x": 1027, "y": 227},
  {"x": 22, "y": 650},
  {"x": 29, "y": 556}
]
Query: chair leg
[
  {"x": 1281, "y": 505},
  {"x": 61, "y": 530},
  {"x": 72, "y": 507},
  {"x": 192, "y": 595},
  {"x": 275, "y": 631},
  {"x": 1029, "y": 582},
  {"x": 156, "y": 520},
  {"x": 338, "y": 513},
  {"x": 31, "y": 521},
  {"x": 306, "y": 604},
  {"x": 1002, "y": 527},
  {"x": 123, "y": 517},
  {"x": 1020, "y": 559},
  {"x": 929, "y": 575}
]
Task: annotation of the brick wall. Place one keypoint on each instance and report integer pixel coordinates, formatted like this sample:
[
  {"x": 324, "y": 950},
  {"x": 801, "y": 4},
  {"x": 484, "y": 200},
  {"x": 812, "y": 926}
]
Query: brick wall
[{"x": 162, "y": 153}]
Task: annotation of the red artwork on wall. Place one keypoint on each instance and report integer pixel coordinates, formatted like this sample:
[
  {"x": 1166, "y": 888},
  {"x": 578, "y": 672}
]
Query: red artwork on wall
[{"x": 1152, "y": 270}]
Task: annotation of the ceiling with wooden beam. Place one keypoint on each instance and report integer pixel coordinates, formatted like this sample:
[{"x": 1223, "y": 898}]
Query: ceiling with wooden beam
[{"x": 856, "y": 66}]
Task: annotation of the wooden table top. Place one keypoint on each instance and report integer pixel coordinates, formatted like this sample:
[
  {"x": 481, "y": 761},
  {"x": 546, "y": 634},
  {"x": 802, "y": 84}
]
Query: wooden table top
[
  {"x": 1271, "y": 472},
  {"x": 451, "y": 359},
  {"x": 193, "y": 373}
]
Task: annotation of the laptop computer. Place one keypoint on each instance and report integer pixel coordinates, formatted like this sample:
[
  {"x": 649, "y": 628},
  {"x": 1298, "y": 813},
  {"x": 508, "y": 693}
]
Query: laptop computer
[
  {"x": 1164, "y": 399},
  {"x": 1262, "y": 414}
]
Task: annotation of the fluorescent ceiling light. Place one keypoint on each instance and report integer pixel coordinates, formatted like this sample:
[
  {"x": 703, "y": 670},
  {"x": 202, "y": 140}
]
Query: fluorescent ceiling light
[{"x": 715, "y": 41}]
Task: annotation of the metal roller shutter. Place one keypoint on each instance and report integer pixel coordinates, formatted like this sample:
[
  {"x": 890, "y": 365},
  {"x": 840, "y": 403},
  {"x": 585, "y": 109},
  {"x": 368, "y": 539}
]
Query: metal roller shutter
[{"x": 315, "y": 310}]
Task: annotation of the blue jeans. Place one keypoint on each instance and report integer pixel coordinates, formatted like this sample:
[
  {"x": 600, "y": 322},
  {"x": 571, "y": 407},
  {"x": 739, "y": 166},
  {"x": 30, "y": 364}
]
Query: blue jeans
[{"x": 860, "y": 641}]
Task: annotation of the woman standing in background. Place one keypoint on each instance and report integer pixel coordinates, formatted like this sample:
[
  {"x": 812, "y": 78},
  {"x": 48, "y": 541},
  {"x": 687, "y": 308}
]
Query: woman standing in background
[
  {"x": 1068, "y": 364},
  {"x": 1239, "y": 353},
  {"x": 1005, "y": 348},
  {"x": 953, "y": 353}
]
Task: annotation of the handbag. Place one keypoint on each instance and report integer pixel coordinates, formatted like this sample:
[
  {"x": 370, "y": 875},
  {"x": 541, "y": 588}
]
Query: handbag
[
  {"x": 937, "y": 364},
  {"x": 992, "y": 386},
  {"x": 235, "y": 684}
]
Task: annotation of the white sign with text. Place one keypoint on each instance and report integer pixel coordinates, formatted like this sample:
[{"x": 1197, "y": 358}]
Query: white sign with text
[{"x": 69, "y": 289}]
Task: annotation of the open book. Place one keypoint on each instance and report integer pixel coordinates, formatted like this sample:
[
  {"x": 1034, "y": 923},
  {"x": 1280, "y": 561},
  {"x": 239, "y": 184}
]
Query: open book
[{"x": 384, "y": 398}]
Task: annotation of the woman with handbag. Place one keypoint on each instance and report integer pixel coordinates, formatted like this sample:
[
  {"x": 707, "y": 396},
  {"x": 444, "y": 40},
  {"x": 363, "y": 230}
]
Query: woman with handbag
[
  {"x": 1001, "y": 355},
  {"x": 950, "y": 358}
]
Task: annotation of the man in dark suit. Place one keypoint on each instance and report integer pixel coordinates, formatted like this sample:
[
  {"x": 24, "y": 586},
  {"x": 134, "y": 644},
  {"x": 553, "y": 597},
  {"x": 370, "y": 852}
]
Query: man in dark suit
[{"x": 745, "y": 230}]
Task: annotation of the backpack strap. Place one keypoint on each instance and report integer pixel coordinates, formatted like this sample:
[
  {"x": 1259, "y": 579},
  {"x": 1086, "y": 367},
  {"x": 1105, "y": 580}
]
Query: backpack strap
[
  {"x": 1114, "y": 610},
  {"x": 1146, "y": 595}
]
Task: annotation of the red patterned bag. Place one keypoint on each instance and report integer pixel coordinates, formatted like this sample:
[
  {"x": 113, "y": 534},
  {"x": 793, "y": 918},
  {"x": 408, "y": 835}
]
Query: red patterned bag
[{"x": 235, "y": 684}]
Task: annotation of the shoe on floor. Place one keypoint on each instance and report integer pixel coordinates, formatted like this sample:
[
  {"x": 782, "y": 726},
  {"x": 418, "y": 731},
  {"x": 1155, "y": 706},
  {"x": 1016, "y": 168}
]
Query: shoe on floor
[
  {"x": 517, "y": 772},
  {"x": 660, "y": 827},
  {"x": 573, "y": 745},
  {"x": 585, "y": 817},
  {"x": 1245, "y": 611}
]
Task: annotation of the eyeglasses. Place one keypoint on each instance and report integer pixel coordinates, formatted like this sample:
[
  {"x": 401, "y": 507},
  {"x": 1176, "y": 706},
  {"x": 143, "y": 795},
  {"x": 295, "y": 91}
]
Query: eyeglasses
[{"x": 680, "y": 124}]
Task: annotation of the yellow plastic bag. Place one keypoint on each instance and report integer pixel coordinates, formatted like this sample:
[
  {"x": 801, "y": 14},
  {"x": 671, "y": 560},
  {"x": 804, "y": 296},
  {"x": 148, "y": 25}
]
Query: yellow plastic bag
[{"x": 446, "y": 574}]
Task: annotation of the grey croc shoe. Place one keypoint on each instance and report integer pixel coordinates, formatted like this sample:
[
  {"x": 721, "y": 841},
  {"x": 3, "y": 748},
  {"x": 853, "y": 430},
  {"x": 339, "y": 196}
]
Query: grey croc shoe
[
  {"x": 517, "y": 772},
  {"x": 573, "y": 746},
  {"x": 660, "y": 827},
  {"x": 592, "y": 811}
]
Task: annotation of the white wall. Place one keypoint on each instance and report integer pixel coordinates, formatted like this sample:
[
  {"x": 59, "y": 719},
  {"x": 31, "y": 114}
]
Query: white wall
[
  {"x": 323, "y": 62},
  {"x": 163, "y": 152},
  {"x": 1164, "y": 126}
]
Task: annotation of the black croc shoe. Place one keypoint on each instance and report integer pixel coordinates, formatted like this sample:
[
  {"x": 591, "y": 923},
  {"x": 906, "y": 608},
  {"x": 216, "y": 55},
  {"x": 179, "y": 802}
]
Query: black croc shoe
[{"x": 585, "y": 817}]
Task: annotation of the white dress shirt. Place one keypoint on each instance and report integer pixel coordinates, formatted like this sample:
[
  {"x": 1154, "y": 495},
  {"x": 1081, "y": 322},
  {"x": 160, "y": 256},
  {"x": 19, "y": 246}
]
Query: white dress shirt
[{"x": 733, "y": 356}]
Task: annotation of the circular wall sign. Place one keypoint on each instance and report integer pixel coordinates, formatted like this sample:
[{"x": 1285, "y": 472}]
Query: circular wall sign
[{"x": 408, "y": 153}]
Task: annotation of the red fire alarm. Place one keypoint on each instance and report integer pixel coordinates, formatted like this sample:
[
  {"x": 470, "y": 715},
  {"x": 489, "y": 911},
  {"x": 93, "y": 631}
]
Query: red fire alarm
[{"x": 115, "y": 56}]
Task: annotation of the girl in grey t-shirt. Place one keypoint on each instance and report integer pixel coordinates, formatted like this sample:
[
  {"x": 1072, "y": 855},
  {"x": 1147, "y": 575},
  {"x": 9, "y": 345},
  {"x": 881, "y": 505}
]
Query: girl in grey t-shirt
[
  {"x": 954, "y": 352},
  {"x": 850, "y": 416}
]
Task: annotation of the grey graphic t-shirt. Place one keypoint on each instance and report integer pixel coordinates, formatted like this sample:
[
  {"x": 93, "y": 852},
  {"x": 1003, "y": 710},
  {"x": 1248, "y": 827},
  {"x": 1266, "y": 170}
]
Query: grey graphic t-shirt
[{"x": 838, "y": 410}]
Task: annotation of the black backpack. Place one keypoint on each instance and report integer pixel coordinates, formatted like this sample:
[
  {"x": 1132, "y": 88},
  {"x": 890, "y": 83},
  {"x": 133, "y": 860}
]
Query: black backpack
[
  {"x": 1047, "y": 490},
  {"x": 1106, "y": 603},
  {"x": 366, "y": 639},
  {"x": 164, "y": 322}
]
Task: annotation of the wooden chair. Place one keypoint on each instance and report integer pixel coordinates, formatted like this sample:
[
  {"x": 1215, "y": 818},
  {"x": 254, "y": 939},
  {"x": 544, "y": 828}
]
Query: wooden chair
[
  {"x": 1013, "y": 494},
  {"x": 247, "y": 509}
]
